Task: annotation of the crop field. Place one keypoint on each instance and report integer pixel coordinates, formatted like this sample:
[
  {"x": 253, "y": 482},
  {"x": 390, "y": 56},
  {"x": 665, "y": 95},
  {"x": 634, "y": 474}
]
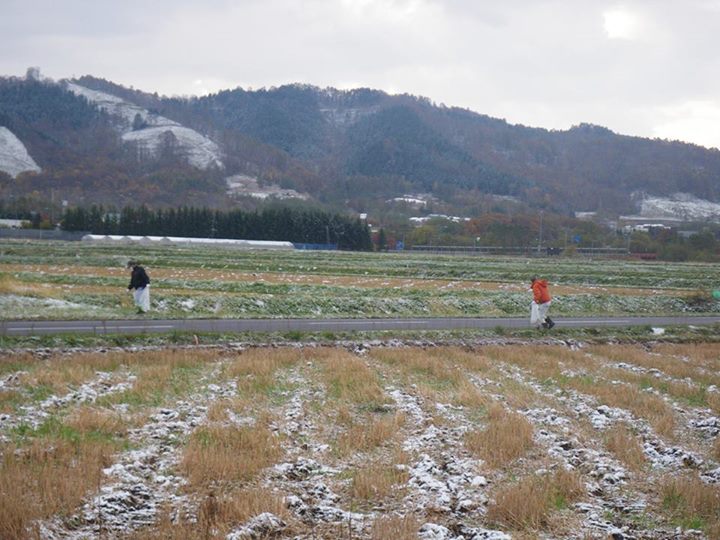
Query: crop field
[
  {"x": 362, "y": 442},
  {"x": 42, "y": 280}
]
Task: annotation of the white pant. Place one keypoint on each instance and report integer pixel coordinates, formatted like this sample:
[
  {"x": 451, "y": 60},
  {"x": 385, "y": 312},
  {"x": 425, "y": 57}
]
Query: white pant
[
  {"x": 142, "y": 298},
  {"x": 538, "y": 312}
]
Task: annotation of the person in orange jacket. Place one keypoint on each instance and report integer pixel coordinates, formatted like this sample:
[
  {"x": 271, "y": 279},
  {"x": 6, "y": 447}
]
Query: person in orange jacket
[{"x": 540, "y": 304}]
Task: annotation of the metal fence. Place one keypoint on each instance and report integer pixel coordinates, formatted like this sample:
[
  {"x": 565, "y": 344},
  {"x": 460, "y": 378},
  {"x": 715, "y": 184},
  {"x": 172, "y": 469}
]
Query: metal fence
[
  {"x": 527, "y": 251},
  {"x": 39, "y": 234}
]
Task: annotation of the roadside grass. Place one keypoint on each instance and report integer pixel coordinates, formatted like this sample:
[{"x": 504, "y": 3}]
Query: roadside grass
[
  {"x": 529, "y": 503},
  {"x": 692, "y": 504},
  {"x": 228, "y": 455},
  {"x": 506, "y": 437},
  {"x": 625, "y": 446},
  {"x": 48, "y": 476}
]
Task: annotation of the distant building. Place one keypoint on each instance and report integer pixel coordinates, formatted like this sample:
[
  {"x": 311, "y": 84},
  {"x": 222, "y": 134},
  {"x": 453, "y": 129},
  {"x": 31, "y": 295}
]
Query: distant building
[
  {"x": 425, "y": 219},
  {"x": 12, "y": 223}
]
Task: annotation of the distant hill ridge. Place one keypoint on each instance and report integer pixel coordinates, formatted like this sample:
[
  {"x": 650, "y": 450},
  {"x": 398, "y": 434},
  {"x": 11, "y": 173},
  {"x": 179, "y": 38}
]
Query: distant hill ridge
[{"x": 95, "y": 140}]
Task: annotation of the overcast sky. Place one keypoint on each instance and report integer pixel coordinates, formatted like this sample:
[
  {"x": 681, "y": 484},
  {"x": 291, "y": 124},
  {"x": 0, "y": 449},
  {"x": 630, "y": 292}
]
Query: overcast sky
[{"x": 648, "y": 68}]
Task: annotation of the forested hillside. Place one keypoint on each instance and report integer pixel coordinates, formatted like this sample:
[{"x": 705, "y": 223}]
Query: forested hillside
[{"x": 346, "y": 149}]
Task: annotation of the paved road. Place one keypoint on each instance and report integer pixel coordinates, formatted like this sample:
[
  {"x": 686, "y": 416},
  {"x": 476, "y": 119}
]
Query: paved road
[{"x": 145, "y": 326}]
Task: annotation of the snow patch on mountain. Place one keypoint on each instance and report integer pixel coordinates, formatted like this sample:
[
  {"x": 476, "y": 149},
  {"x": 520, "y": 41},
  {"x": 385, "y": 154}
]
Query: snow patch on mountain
[
  {"x": 683, "y": 206},
  {"x": 14, "y": 157},
  {"x": 200, "y": 151}
]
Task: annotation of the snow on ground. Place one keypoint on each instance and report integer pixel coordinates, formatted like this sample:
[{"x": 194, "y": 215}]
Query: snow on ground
[
  {"x": 14, "y": 157},
  {"x": 199, "y": 150},
  {"x": 33, "y": 416},
  {"x": 609, "y": 477},
  {"x": 28, "y": 307},
  {"x": 682, "y": 206},
  {"x": 447, "y": 488},
  {"x": 144, "y": 479}
]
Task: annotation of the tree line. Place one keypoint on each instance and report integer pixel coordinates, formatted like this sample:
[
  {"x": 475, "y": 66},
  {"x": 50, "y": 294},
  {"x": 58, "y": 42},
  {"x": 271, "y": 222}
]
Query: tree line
[{"x": 275, "y": 223}]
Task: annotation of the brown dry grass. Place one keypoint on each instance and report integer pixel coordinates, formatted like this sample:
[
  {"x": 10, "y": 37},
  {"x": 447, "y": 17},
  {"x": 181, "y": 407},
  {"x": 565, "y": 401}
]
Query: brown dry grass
[
  {"x": 217, "y": 516},
  {"x": 438, "y": 373},
  {"x": 624, "y": 396},
  {"x": 61, "y": 373},
  {"x": 92, "y": 420},
  {"x": 349, "y": 378},
  {"x": 543, "y": 361},
  {"x": 421, "y": 364},
  {"x": 369, "y": 434},
  {"x": 679, "y": 361},
  {"x": 8, "y": 399},
  {"x": 625, "y": 447},
  {"x": 49, "y": 477},
  {"x": 507, "y": 436},
  {"x": 529, "y": 503},
  {"x": 692, "y": 503},
  {"x": 395, "y": 528},
  {"x": 376, "y": 482},
  {"x": 690, "y": 393},
  {"x": 469, "y": 395},
  {"x": 706, "y": 355},
  {"x": 12, "y": 285},
  {"x": 256, "y": 369},
  {"x": 228, "y": 454}
]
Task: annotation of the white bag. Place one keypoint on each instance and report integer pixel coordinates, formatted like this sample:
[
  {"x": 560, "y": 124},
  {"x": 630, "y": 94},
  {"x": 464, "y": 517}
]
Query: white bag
[
  {"x": 142, "y": 298},
  {"x": 534, "y": 313}
]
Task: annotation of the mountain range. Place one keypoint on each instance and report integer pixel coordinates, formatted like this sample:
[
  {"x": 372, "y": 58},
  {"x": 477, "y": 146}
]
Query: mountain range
[{"x": 89, "y": 140}]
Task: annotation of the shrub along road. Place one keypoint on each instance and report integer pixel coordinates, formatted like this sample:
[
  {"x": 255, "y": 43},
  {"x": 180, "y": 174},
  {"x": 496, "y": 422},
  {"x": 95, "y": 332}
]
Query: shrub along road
[{"x": 146, "y": 326}]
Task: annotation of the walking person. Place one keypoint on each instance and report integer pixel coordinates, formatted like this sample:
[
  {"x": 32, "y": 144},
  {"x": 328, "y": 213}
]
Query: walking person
[
  {"x": 540, "y": 304},
  {"x": 140, "y": 285}
]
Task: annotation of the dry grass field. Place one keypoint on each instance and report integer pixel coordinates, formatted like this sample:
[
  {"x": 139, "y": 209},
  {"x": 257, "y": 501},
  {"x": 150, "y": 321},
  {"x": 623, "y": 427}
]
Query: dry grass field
[{"x": 381, "y": 442}]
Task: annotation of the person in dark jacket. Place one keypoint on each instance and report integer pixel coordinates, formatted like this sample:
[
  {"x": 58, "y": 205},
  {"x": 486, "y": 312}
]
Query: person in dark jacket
[{"x": 140, "y": 285}]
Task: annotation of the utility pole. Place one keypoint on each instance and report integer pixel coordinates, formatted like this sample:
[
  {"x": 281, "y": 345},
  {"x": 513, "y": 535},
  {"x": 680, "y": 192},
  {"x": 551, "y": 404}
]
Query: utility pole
[{"x": 541, "y": 231}]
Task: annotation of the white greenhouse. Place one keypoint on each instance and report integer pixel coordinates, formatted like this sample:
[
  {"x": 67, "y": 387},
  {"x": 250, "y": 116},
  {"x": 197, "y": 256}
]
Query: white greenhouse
[{"x": 185, "y": 241}]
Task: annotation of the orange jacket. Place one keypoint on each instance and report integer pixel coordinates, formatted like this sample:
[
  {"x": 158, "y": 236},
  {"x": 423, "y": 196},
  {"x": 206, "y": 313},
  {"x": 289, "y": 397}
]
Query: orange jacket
[{"x": 540, "y": 291}]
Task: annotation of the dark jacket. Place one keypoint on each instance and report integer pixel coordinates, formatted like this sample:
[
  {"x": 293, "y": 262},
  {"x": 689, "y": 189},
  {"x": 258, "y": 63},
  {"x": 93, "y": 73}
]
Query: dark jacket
[{"x": 138, "y": 278}]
